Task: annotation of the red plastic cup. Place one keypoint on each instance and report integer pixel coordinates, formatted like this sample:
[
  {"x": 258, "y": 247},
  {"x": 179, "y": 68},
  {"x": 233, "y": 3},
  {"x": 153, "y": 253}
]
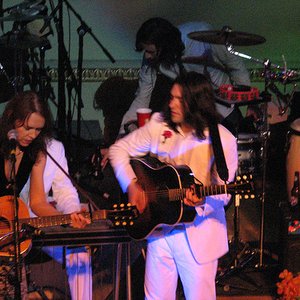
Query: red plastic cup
[{"x": 143, "y": 116}]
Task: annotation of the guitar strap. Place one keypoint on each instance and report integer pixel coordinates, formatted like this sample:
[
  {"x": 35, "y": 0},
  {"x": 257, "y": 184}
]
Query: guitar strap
[
  {"x": 218, "y": 151},
  {"x": 79, "y": 189}
]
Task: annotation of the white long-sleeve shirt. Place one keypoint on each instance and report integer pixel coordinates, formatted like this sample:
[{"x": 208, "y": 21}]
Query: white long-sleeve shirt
[
  {"x": 183, "y": 149},
  {"x": 64, "y": 193}
]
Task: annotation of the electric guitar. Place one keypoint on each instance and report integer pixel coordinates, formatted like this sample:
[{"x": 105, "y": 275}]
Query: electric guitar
[
  {"x": 121, "y": 215},
  {"x": 165, "y": 188}
]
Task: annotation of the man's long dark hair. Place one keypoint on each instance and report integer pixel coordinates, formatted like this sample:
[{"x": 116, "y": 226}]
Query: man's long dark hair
[
  {"x": 165, "y": 37},
  {"x": 198, "y": 102},
  {"x": 19, "y": 109}
]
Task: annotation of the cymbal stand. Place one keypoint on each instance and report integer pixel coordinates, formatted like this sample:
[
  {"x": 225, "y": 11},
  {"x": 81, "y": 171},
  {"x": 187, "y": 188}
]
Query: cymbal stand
[
  {"x": 264, "y": 136},
  {"x": 241, "y": 257}
]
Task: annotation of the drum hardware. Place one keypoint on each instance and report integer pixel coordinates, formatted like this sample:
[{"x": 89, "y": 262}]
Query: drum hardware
[
  {"x": 26, "y": 11},
  {"x": 264, "y": 130},
  {"x": 21, "y": 39},
  {"x": 6, "y": 86},
  {"x": 227, "y": 36}
]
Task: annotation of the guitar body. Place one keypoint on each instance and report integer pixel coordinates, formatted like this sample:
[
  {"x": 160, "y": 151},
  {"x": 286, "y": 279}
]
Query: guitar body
[
  {"x": 155, "y": 178},
  {"x": 7, "y": 227}
]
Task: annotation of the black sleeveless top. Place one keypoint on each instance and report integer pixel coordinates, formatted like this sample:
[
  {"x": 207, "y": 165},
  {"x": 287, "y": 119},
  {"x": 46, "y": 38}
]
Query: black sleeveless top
[{"x": 22, "y": 176}]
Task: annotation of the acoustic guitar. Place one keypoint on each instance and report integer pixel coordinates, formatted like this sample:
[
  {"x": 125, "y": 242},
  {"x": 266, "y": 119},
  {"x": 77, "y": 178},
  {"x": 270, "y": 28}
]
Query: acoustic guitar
[
  {"x": 165, "y": 187},
  {"x": 119, "y": 215}
]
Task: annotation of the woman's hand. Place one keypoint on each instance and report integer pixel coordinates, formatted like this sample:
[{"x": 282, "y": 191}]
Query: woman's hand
[
  {"x": 78, "y": 220},
  {"x": 191, "y": 198}
]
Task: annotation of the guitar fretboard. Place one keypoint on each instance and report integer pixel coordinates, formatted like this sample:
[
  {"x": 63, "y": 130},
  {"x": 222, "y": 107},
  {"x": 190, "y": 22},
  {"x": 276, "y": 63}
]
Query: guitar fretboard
[
  {"x": 39, "y": 222},
  {"x": 202, "y": 191}
]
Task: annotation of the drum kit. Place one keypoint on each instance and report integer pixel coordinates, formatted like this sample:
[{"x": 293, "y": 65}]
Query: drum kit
[
  {"x": 252, "y": 147},
  {"x": 17, "y": 46}
]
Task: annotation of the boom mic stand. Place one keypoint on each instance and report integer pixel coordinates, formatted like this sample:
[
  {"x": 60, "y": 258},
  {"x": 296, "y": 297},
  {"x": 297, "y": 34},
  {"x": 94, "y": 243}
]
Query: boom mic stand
[
  {"x": 82, "y": 30},
  {"x": 64, "y": 63}
]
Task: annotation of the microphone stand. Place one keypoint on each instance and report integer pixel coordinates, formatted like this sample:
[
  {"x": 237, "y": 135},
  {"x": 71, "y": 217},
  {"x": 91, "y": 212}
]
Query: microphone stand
[
  {"x": 17, "y": 257},
  {"x": 82, "y": 30},
  {"x": 264, "y": 135},
  {"x": 64, "y": 62}
]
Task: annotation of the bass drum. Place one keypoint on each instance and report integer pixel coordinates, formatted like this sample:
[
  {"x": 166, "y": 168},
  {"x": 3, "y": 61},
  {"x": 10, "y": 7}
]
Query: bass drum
[{"x": 293, "y": 154}]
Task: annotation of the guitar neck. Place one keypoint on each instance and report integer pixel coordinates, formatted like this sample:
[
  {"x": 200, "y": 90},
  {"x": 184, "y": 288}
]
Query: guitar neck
[
  {"x": 201, "y": 191},
  {"x": 39, "y": 222}
]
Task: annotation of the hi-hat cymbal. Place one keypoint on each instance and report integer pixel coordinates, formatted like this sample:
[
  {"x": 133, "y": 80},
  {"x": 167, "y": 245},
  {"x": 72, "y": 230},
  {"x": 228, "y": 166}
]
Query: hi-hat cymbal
[
  {"x": 227, "y": 36},
  {"x": 22, "y": 40}
]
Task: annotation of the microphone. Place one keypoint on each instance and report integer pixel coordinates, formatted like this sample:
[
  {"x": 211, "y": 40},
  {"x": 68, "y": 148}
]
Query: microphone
[{"x": 12, "y": 142}]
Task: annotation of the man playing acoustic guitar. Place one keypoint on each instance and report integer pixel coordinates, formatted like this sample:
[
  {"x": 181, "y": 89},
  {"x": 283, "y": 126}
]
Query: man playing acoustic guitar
[{"x": 179, "y": 136}]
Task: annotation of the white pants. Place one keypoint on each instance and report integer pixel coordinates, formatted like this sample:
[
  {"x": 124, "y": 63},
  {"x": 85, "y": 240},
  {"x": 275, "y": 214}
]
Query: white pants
[
  {"x": 79, "y": 270},
  {"x": 170, "y": 256}
]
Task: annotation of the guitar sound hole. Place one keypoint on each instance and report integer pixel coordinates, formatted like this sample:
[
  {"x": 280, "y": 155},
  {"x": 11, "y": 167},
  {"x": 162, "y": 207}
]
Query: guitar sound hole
[{"x": 4, "y": 225}]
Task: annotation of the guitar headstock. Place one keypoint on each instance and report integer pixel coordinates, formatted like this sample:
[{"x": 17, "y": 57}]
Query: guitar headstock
[
  {"x": 123, "y": 214},
  {"x": 243, "y": 186}
]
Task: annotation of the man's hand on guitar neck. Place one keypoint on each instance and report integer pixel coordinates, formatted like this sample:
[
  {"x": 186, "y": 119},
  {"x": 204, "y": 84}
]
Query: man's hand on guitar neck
[
  {"x": 137, "y": 196},
  {"x": 191, "y": 198}
]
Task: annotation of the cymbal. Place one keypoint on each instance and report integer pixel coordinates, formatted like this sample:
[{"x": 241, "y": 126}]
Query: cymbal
[
  {"x": 19, "y": 17},
  {"x": 24, "y": 5},
  {"x": 22, "y": 40},
  {"x": 227, "y": 36}
]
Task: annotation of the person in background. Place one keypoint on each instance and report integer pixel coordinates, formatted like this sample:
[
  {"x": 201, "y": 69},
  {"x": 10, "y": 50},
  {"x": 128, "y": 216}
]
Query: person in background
[
  {"x": 25, "y": 127},
  {"x": 65, "y": 199},
  {"x": 181, "y": 135},
  {"x": 168, "y": 52}
]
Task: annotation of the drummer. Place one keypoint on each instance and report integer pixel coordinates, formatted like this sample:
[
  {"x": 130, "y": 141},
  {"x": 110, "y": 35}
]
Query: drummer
[{"x": 168, "y": 51}]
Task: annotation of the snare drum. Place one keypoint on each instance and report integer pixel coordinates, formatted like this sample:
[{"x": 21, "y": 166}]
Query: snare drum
[
  {"x": 248, "y": 153},
  {"x": 293, "y": 155}
]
